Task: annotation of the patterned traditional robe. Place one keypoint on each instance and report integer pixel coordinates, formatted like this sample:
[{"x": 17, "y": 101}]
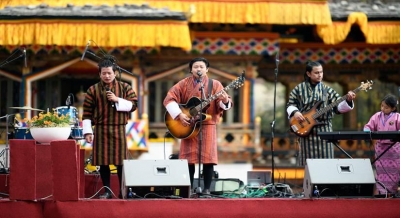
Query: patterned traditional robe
[
  {"x": 109, "y": 143},
  {"x": 181, "y": 93},
  {"x": 388, "y": 165},
  {"x": 304, "y": 96}
]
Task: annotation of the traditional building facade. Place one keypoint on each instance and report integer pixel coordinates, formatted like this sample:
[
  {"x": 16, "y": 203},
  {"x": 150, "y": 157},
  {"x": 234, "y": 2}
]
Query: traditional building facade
[{"x": 154, "y": 40}]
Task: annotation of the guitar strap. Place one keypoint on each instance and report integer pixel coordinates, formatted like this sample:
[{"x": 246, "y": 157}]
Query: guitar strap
[
  {"x": 210, "y": 85},
  {"x": 324, "y": 93}
]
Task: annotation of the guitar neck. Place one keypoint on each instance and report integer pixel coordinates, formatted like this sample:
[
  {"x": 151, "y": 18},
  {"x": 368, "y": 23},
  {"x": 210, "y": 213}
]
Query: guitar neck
[
  {"x": 333, "y": 104},
  {"x": 206, "y": 102}
]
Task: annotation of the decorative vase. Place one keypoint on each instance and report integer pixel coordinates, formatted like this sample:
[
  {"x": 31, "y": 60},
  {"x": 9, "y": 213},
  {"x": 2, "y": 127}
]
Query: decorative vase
[{"x": 47, "y": 134}]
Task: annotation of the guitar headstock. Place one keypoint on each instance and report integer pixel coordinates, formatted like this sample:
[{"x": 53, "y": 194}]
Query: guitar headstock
[
  {"x": 238, "y": 82},
  {"x": 366, "y": 86}
]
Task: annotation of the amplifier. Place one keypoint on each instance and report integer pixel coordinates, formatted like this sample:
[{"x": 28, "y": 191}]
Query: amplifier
[
  {"x": 155, "y": 179},
  {"x": 338, "y": 178}
]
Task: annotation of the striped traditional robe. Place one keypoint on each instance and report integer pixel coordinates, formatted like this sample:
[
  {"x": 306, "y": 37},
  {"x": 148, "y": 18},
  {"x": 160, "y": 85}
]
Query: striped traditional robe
[
  {"x": 109, "y": 143},
  {"x": 304, "y": 96},
  {"x": 181, "y": 93}
]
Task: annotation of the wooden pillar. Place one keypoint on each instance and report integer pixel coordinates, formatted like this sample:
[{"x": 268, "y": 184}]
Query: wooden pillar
[
  {"x": 350, "y": 118},
  {"x": 247, "y": 87}
]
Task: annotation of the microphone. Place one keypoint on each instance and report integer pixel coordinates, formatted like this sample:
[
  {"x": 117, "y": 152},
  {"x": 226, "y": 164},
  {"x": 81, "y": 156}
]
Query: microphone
[
  {"x": 108, "y": 90},
  {"x": 277, "y": 58},
  {"x": 25, "y": 63},
  {"x": 84, "y": 51},
  {"x": 199, "y": 73}
]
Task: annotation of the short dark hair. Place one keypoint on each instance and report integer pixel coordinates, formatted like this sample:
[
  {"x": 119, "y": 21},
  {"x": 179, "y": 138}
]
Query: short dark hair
[
  {"x": 198, "y": 59},
  {"x": 391, "y": 101},
  {"x": 309, "y": 66},
  {"x": 108, "y": 61}
]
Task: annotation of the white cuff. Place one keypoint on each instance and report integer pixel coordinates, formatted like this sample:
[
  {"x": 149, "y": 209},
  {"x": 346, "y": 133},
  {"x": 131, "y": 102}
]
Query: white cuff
[
  {"x": 87, "y": 127},
  {"x": 223, "y": 106},
  {"x": 343, "y": 107},
  {"x": 123, "y": 105},
  {"x": 173, "y": 109},
  {"x": 290, "y": 110}
]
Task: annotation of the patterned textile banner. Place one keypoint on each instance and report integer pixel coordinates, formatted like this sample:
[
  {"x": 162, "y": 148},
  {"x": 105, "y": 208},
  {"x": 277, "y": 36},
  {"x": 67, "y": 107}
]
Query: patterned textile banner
[
  {"x": 136, "y": 136},
  {"x": 340, "y": 55},
  {"x": 234, "y": 46}
]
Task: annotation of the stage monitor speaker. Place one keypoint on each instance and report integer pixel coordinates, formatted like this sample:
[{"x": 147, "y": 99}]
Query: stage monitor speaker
[
  {"x": 338, "y": 178},
  {"x": 155, "y": 179}
]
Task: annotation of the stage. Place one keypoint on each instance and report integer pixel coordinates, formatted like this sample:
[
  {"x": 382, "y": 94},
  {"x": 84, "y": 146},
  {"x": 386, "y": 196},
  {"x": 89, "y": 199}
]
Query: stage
[
  {"x": 49, "y": 181},
  {"x": 257, "y": 207},
  {"x": 192, "y": 207}
]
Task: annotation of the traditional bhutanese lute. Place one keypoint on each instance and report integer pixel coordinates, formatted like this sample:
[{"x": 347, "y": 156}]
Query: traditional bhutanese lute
[
  {"x": 304, "y": 128},
  {"x": 193, "y": 109}
]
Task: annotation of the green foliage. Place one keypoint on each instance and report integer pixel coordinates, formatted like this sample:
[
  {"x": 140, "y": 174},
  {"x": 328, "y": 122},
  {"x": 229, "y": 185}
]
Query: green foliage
[{"x": 49, "y": 119}]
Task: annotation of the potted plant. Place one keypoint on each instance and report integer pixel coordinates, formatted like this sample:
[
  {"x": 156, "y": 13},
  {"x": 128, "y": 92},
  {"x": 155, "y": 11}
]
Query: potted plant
[{"x": 50, "y": 126}]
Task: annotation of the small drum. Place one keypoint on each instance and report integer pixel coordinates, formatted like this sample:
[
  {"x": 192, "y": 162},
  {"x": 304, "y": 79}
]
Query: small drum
[
  {"x": 72, "y": 112},
  {"x": 77, "y": 133},
  {"x": 22, "y": 133}
]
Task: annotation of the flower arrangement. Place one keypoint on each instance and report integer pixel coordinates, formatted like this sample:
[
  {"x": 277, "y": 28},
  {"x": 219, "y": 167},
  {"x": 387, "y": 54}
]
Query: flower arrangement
[{"x": 49, "y": 119}]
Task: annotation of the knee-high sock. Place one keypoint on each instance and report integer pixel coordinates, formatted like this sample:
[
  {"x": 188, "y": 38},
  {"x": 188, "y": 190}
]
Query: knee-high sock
[
  {"x": 105, "y": 176},
  {"x": 208, "y": 170},
  {"x": 191, "y": 174}
]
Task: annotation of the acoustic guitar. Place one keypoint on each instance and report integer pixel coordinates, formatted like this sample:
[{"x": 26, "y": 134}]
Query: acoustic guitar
[
  {"x": 304, "y": 128},
  {"x": 194, "y": 109}
]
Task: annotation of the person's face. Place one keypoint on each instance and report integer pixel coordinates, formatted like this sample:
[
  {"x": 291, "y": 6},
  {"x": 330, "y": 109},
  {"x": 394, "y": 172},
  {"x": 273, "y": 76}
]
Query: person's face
[
  {"x": 199, "y": 66},
  {"x": 386, "y": 109},
  {"x": 107, "y": 75},
  {"x": 316, "y": 74}
]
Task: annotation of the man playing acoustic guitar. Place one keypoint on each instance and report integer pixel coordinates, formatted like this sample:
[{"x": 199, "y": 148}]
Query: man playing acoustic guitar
[
  {"x": 182, "y": 117},
  {"x": 303, "y": 99}
]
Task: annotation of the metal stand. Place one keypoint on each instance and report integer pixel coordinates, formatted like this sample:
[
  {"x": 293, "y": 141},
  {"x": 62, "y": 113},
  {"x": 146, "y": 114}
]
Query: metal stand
[
  {"x": 273, "y": 125},
  {"x": 198, "y": 189},
  {"x": 340, "y": 148},
  {"x": 118, "y": 67},
  {"x": 6, "y": 150},
  {"x": 390, "y": 146}
]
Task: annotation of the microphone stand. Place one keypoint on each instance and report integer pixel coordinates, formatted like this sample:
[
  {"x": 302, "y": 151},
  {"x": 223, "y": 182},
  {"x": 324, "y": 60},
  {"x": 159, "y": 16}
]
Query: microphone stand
[
  {"x": 118, "y": 67},
  {"x": 9, "y": 61},
  {"x": 202, "y": 98},
  {"x": 273, "y": 126}
]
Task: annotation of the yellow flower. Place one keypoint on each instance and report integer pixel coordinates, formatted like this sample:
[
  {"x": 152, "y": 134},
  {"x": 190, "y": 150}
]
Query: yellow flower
[{"x": 49, "y": 120}]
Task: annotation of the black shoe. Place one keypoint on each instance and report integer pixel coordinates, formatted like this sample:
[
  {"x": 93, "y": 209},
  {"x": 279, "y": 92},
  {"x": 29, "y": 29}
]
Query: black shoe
[{"x": 106, "y": 195}]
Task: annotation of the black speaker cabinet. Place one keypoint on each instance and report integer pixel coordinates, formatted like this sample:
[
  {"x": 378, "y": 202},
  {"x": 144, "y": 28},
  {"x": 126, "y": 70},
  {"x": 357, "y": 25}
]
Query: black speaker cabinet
[
  {"x": 155, "y": 179},
  {"x": 338, "y": 178}
]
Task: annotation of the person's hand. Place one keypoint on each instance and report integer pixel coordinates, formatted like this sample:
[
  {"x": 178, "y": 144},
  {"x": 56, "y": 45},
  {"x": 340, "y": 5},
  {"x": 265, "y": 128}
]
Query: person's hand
[
  {"x": 111, "y": 96},
  {"x": 351, "y": 96},
  {"x": 224, "y": 97},
  {"x": 185, "y": 120},
  {"x": 298, "y": 116},
  {"x": 89, "y": 138}
]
